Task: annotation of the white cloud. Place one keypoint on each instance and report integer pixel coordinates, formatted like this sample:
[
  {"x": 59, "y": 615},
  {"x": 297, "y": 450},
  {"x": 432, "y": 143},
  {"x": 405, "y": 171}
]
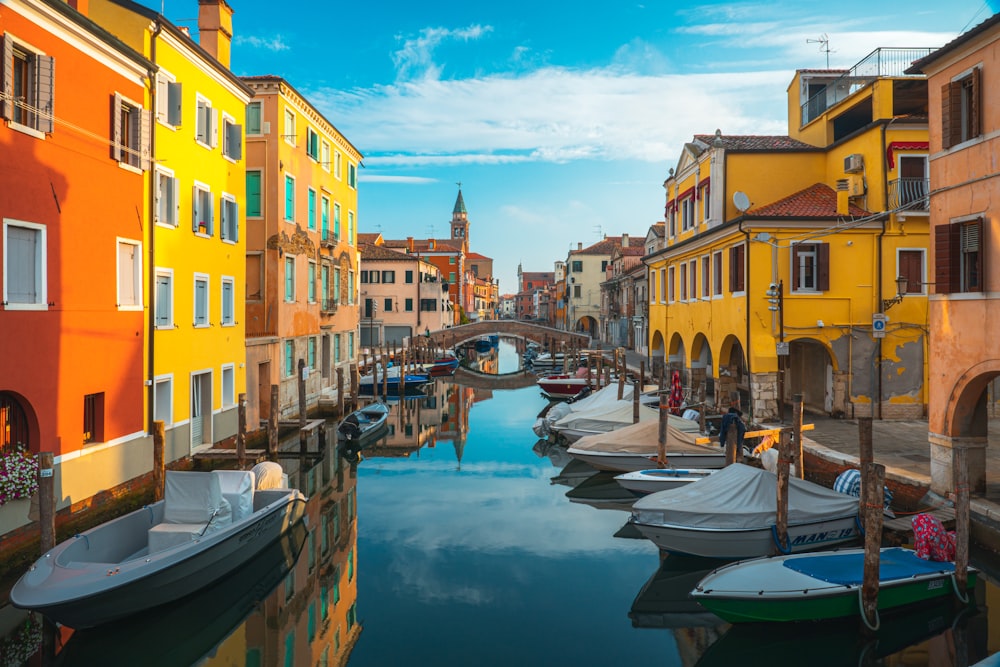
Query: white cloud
[
  {"x": 275, "y": 43},
  {"x": 415, "y": 58},
  {"x": 413, "y": 180}
]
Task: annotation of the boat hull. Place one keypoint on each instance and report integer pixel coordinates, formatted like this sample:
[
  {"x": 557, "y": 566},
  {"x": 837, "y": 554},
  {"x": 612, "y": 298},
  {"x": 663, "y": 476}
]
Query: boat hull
[
  {"x": 83, "y": 595},
  {"x": 766, "y": 591},
  {"x": 643, "y": 482},
  {"x": 562, "y": 386},
  {"x": 628, "y": 462},
  {"x": 733, "y": 544}
]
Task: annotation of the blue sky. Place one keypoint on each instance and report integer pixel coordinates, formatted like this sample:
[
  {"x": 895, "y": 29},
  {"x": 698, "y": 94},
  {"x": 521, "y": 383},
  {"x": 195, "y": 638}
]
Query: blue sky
[{"x": 560, "y": 120}]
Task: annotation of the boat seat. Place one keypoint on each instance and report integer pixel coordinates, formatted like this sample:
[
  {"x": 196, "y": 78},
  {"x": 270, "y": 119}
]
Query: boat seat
[
  {"x": 193, "y": 506},
  {"x": 237, "y": 488}
]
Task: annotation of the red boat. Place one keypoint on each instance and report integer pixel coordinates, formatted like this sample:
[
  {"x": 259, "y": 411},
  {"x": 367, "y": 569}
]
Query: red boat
[
  {"x": 442, "y": 366},
  {"x": 562, "y": 386}
]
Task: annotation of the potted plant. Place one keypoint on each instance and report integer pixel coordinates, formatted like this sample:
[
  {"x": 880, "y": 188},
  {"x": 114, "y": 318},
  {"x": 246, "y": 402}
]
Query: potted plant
[{"x": 18, "y": 475}]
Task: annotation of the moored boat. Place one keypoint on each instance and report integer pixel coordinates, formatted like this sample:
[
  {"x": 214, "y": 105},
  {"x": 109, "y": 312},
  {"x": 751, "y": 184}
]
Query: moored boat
[
  {"x": 363, "y": 425},
  {"x": 635, "y": 447},
  {"x": 824, "y": 585},
  {"x": 654, "y": 480},
  {"x": 563, "y": 385},
  {"x": 393, "y": 379},
  {"x": 208, "y": 525},
  {"x": 732, "y": 514}
]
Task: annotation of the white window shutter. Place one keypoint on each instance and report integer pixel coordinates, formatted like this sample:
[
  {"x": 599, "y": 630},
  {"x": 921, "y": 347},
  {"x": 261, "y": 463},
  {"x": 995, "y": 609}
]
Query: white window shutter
[
  {"x": 175, "y": 185},
  {"x": 45, "y": 68},
  {"x": 236, "y": 221},
  {"x": 145, "y": 134},
  {"x": 116, "y": 127},
  {"x": 210, "y": 218},
  {"x": 215, "y": 127},
  {"x": 7, "y": 103},
  {"x": 162, "y": 99},
  {"x": 195, "y": 208},
  {"x": 223, "y": 218}
]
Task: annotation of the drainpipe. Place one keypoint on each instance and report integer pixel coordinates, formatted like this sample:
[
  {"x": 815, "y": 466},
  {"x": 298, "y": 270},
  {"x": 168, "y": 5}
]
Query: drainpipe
[
  {"x": 878, "y": 268},
  {"x": 151, "y": 316}
]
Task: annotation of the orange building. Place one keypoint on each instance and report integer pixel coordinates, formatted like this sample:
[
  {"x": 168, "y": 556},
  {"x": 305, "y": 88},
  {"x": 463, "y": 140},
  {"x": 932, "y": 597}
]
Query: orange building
[
  {"x": 74, "y": 137},
  {"x": 964, "y": 112}
]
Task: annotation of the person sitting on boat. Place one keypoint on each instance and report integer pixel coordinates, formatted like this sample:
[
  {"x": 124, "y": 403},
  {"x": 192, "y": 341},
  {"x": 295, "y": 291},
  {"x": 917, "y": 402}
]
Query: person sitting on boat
[{"x": 734, "y": 416}]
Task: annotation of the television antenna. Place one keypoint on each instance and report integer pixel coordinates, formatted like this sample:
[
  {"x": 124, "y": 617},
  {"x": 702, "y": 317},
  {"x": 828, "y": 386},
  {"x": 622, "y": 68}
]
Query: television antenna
[
  {"x": 600, "y": 232},
  {"x": 824, "y": 46}
]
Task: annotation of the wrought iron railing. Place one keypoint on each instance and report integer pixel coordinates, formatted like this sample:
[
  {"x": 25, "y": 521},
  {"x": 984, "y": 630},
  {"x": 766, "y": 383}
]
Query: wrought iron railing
[
  {"x": 909, "y": 193},
  {"x": 882, "y": 62}
]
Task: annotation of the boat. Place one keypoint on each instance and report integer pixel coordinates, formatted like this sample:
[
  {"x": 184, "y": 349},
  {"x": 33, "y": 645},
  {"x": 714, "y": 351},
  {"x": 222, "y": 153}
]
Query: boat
[
  {"x": 825, "y": 585},
  {"x": 563, "y": 385},
  {"x": 363, "y": 425},
  {"x": 618, "y": 415},
  {"x": 483, "y": 344},
  {"x": 392, "y": 380},
  {"x": 635, "y": 447},
  {"x": 653, "y": 480},
  {"x": 732, "y": 514},
  {"x": 443, "y": 365},
  {"x": 664, "y": 601},
  {"x": 198, "y": 623},
  {"x": 547, "y": 360},
  {"x": 209, "y": 525},
  {"x": 602, "y": 492}
]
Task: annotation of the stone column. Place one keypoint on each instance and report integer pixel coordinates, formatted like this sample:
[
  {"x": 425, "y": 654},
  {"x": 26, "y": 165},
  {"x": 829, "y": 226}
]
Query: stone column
[
  {"x": 941, "y": 450},
  {"x": 764, "y": 396}
]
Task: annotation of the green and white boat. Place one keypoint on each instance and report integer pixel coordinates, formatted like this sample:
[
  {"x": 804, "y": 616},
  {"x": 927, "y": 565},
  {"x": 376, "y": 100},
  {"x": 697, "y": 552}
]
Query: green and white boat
[{"x": 823, "y": 585}]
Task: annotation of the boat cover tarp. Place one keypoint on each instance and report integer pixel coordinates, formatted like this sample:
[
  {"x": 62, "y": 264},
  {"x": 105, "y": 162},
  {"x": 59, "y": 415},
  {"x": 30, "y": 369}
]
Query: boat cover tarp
[
  {"x": 617, "y": 415},
  {"x": 269, "y": 475},
  {"x": 602, "y": 399},
  {"x": 237, "y": 488},
  {"x": 848, "y": 569},
  {"x": 743, "y": 498},
  {"x": 643, "y": 438}
]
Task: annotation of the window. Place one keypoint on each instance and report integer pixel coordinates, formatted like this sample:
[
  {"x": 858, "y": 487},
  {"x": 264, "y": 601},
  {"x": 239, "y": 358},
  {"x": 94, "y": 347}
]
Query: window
[
  {"x": 28, "y": 87},
  {"x": 254, "y": 287},
  {"x": 312, "y": 144},
  {"x": 289, "y": 279},
  {"x": 717, "y": 273},
  {"x": 428, "y": 305},
  {"x": 206, "y": 123},
  {"x": 577, "y": 266},
  {"x": 684, "y": 284},
  {"x": 311, "y": 352},
  {"x": 664, "y": 285},
  {"x": 230, "y": 212},
  {"x": 408, "y": 305},
  {"x": 24, "y": 267},
  {"x": 810, "y": 267},
  {"x": 961, "y": 109},
  {"x": 203, "y": 210},
  {"x": 168, "y": 99},
  {"x": 228, "y": 385},
  {"x": 255, "y": 116},
  {"x": 336, "y": 285},
  {"x": 451, "y": 277},
  {"x": 93, "y": 418},
  {"x": 652, "y": 286},
  {"x": 737, "y": 266},
  {"x": 352, "y": 175},
  {"x": 336, "y": 164},
  {"x": 673, "y": 219},
  {"x": 289, "y": 358},
  {"x": 351, "y": 287},
  {"x": 388, "y": 276},
  {"x": 706, "y": 282},
  {"x": 289, "y": 198},
  {"x": 910, "y": 265},
  {"x": 350, "y": 227},
  {"x": 693, "y": 273},
  {"x": 163, "y": 400},
  {"x": 336, "y": 348},
  {"x": 336, "y": 221},
  {"x": 311, "y": 207},
  {"x": 228, "y": 318},
  {"x": 168, "y": 198},
  {"x": 451, "y": 260},
  {"x": 324, "y": 213},
  {"x": 388, "y": 306},
  {"x": 201, "y": 300},
  {"x": 232, "y": 137},
  {"x": 409, "y": 277},
  {"x": 311, "y": 278},
  {"x": 324, "y": 155},
  {"x": 163, "y": 300},
  {"x": 289, "y": 132},
  {"x": 130, "y": 139},
  {"x": 705, "y": 203},
  {"x": 129, "y": 275},
  {"x": 324, "y": 273},
  {"x": 577, "y": 293},
  {"x": 350, "y": 344},
  {"x": 958, "y": 258},
  {"x": 253, "y": 196}
]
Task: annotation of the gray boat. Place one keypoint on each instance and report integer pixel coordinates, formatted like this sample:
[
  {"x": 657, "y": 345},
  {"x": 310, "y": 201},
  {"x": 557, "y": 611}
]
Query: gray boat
[{"x": 208, "y": 525}]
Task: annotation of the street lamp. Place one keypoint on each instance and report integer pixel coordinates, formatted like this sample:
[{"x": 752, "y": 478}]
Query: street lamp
[{"x": 901, "y": 283}]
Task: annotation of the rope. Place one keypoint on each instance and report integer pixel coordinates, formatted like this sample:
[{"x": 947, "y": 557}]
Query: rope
[
  {"x": 864, "y": 616},
  {"x": 777, "y": 542},
  {"x": 963, "y": 596},
  {"x": 857, "y": 522}
]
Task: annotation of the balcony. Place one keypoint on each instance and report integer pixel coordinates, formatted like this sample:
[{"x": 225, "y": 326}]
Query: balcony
[
  {"x": 909, "y": 193},
  {"x": 882, "y": 62},
  {"x": 328, "y": 306}
]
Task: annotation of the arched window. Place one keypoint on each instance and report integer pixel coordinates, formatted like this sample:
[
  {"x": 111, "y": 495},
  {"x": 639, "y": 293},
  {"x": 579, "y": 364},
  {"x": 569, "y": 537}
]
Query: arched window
[{"x": 13, "y": 424}]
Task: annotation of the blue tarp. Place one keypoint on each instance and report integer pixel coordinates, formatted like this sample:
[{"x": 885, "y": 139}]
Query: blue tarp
[{"x": 849, "y": 568}]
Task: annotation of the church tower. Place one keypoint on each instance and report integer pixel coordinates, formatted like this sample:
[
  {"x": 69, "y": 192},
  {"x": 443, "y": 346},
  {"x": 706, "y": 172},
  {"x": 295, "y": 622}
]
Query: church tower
[{"x": 460, "y": 221}]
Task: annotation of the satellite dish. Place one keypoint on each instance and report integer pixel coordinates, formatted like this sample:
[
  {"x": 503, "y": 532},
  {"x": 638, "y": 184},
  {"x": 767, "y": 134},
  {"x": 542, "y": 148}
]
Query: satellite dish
[{"x": 741, "y": 201}]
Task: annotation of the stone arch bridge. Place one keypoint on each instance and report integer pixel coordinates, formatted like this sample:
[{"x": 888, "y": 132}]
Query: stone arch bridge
[
  {"x": 547, "y": 336},
  {"x": 477, "y": 380}
]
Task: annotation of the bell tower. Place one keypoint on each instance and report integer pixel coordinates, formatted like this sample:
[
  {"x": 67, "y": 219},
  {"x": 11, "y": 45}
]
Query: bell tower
[{"x": 460, "y": 221}]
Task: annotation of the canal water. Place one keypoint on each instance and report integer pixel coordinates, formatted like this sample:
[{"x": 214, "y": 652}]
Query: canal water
[{"x": 460, "y": 539}]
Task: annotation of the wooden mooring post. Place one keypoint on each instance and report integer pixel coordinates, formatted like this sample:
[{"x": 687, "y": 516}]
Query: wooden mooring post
[
  {"x": 302, "y": 391},
  {"x": 340, "y": 392},
  {"x": 781, "y": 520},
  {"x": 47, "y": 500},
  {"x": 241, "y": 433},
  {"x": 159, "y": 438},
  {"x": 800, "y": 471},
  {"x": 661, "y": 441},
  {"x": 354, "y": 387},
  {"x": 873, "y": 479},
  {"x": 272, "y": 424},
  {"x": 865, "y": 451},
  {"x": 960, "y": 475},
  {"x": 732, "y": 445},
  {"x": 635, "y": 401}
]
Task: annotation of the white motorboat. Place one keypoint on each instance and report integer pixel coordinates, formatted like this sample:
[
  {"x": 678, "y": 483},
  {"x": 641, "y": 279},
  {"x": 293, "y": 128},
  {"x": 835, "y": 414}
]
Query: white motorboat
[
  {"x": 208, "y": 525},
  {"x": 635, "y": 447},
  {"x": 654, "y": 480},
  {"x": 732, "y": 514},
  {"x": 578, "y": 425}
]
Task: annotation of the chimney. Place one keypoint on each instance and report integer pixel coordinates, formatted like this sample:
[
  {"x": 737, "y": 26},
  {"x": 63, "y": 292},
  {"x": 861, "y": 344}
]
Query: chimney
[
  {"x": 409, "y": 244},
  {"x": 579, "y": 245},
  {"x": 82, "y": 6},
  {"x": 843, "y": 197},
  {"x": 624, "y": 240},
  {"x": 215, "y": 29}
]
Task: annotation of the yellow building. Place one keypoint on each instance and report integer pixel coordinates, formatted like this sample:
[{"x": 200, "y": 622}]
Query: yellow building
[
  {"x": 302, "y": 250},
  {"x": 197, "y": 271},
  {"x": 783, "y": 252}
]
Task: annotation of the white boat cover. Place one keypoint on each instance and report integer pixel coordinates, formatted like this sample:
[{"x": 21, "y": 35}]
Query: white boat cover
[
  {"x": 193, "y": 507},
  {"x": 643, "y": 438},
  {"x": 237, "y": 488},
  {"x": 269, "y": 475},
  {"x": 618, "y": 415},
  {"x": 744, "y": 498},
  {"x": 603, "y": 398}
]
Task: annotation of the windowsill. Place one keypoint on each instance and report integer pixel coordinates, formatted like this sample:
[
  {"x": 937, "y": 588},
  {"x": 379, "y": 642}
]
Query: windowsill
[
  {"x": 128, "y": 167},
  {"x": 167, "y": 225},
  {"x": 201, "y": 326},
  {"x": 203, "y": 235},
  {"x": 130, "y": 308},
  {"x": 231, "y": 159},
  {"x": 230, "y": 241},
  {"x": 228, "y": 325},
  {"x": 24, "y": 129},
  {"x": 737, "y": 295},
  {"x": 26, "y": 306},
  {"x": 165, "y": 327},
  {"x": 202, "y": 144},
  {"x": 165, "y": 124}
]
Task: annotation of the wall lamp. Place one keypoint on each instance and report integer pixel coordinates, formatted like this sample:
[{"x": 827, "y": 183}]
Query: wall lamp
[{"x": 901, "y": 283}]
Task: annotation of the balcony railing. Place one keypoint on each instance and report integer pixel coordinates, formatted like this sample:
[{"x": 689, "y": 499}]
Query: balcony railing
[
  {"x": 909, "y": 193},
  {"x": 882, "y": 62}
]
